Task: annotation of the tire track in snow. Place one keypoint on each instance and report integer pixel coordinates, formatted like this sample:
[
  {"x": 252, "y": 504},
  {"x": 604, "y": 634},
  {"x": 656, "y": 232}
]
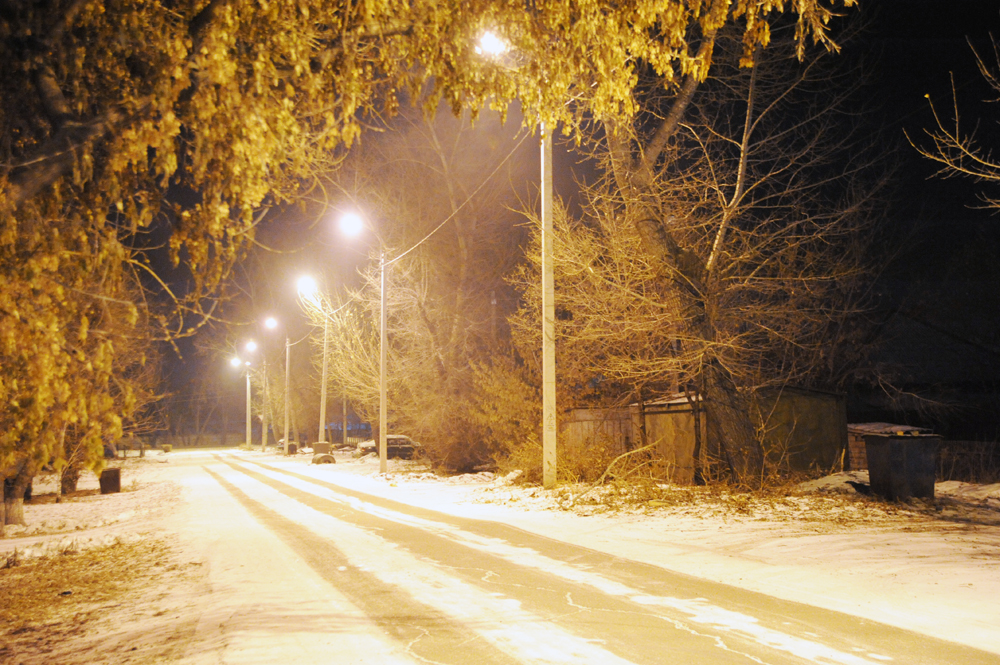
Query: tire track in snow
[
  {"x": 622, "y": 618},
  {"x": 782, "y": 634},
  {"x": 448, "y": 620},
  {"x": 427, "y": 635}
]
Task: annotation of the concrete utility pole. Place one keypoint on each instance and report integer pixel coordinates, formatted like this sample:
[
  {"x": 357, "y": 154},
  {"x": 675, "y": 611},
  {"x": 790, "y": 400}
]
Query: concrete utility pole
[
  {"x": 322, "y": 386},
  {"x": 383, "y": 465},
  {"x": 288, "y": 386},
  {"x": 249, "y": 428},
  {"x": 263, "y": 413},
  {"x": 548, "y": 321}
]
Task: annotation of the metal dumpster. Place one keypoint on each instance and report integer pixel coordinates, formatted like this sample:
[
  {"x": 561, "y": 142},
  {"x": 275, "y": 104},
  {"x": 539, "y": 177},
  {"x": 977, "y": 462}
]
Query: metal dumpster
[{"x": 901, "y": 466}]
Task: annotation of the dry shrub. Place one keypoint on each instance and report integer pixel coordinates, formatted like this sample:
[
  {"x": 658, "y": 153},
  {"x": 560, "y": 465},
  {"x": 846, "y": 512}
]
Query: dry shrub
[
  {"x": 970, "y": 461},
  {"x": 454, "y": 443},
  {"x": 525, "y": 458}
]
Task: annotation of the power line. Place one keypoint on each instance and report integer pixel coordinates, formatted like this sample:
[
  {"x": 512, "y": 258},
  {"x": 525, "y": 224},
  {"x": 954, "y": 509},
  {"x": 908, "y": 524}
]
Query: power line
[{"x": 463, "y": 204}]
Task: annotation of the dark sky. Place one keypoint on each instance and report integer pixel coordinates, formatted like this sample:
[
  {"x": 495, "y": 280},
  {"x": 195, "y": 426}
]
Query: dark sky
[{"x": 920, "y": 46}]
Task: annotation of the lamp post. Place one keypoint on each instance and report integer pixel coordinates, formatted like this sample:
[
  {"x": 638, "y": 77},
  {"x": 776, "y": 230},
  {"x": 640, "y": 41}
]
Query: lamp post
[
  {"x": 288, "y": 385},
  {"x": 492, "y": 45},
  {"x": 271, "y": 323},
  {"x": 382, "y": 454},
  {"x": 263, "y": 408},
  {"x": 249, "y": 425},
  {"x": 309, "y": 291},
  {"x": 236, "y": 362},
  {"x": 250, "y": 347},
  {"x": 548, "y": 320},
  {"x": 351, "y": 224},
  {"x": 322, "y": 386}
]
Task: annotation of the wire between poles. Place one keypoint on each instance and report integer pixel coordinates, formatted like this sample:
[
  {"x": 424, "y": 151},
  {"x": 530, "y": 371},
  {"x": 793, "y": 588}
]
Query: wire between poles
[{"x": 463, "y": 204}]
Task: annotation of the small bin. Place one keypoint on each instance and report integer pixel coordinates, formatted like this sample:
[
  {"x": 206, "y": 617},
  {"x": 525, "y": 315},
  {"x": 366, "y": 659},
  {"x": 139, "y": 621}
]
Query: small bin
[
  {"x": 291, "y": 449},
  {"x": 902, "y": 466},
  {"x": 111, "y": 481}
]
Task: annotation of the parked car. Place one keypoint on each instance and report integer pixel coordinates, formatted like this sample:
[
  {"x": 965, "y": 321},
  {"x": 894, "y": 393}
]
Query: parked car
[{"x": 396, "y": 445}]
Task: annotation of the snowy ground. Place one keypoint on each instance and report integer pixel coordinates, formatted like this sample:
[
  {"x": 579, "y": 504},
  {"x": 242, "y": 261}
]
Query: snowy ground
[{"x": 931, "y": 567}]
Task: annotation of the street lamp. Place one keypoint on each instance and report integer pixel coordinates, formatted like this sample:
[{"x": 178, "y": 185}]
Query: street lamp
[
  {"x": 316, "y": 304},
  {"x": 236, "y": 362},
  {"x": 272, "y": 323},
  {"x": 351, "y": 224},
  {"x": 309, "y": 291},
  {"x": 251, "y": 346},
  {"x": 492, "y": 45}
]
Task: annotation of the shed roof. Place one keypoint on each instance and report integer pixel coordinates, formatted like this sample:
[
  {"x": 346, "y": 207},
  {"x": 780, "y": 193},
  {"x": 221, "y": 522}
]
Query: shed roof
[{"x": 884, "y": 428}]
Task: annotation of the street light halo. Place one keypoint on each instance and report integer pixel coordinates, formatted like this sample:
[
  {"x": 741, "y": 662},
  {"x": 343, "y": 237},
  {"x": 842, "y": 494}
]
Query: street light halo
[
  {"x": 251, "y": 346},
  {"x": 491, "y": 44},
  {"x": 307, "y": 286},
  {"x": 235, "y": 362},
  {"x": 271, "y": 322},
  {"x": 351, "y": 224}
]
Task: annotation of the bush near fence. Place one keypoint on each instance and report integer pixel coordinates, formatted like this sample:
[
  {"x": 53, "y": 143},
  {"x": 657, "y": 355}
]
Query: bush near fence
[{"x": 969, "y": 461}]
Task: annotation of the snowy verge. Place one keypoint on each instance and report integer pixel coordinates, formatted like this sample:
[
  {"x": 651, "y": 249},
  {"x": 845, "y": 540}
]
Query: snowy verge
[{"x": 86, "y": 518}]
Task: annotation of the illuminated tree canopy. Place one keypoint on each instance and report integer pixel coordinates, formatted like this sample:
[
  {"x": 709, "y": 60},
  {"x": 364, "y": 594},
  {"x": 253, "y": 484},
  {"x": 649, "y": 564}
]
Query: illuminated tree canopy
[{"x": 128, "y": 123}]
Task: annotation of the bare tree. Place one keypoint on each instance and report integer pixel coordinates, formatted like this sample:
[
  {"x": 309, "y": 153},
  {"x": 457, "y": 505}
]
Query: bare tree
[
  {"x": 438, "y": 195},
  {"x": 959, "y": 149},
  {"x": 725, "y": 251}
]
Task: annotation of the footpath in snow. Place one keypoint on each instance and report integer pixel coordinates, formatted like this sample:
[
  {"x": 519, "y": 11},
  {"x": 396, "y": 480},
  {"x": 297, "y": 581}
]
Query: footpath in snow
[{"x": 933, "y": 568}]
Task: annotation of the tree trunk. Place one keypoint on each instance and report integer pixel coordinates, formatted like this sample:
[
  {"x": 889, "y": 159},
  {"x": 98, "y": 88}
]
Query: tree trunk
[
  {"x": 736, "y": 431},
  {"x": 694, "y": 400},
  {"x": 643, "y": 438},
  {"x": 68, "y": 479},
  {"x": 13, "y": 494}
]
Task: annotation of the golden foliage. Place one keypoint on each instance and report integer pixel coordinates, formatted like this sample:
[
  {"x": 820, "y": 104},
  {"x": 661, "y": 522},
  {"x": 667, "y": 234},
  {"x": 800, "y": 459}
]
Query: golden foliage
[{"x": 126, "y": 122}]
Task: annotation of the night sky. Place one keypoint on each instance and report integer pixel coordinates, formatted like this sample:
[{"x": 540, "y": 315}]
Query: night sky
[{"x": 919, "y": 45}]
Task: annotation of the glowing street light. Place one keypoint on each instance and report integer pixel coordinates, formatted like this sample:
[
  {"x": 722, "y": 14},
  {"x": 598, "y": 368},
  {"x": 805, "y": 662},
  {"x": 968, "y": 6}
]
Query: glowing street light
[
  {"x": 491, "y": 45},
  {"x": 351, "y": 224},
  {"x": 307, "y": 287}
]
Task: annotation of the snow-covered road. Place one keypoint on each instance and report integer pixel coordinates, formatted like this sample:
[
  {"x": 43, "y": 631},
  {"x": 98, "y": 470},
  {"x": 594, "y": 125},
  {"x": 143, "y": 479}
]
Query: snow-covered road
[{"x": 301, "y": 568}]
